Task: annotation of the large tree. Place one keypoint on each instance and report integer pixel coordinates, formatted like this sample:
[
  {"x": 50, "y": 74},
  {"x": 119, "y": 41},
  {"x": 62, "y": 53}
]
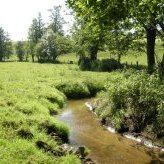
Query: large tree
[
  {"x": 101, "y": 15},
  {"x": 150, "y": 15},
  {"x": 36, "y": 32},
  {"x": 96, "y": 24},
  {"x": 46, "y": 49}
]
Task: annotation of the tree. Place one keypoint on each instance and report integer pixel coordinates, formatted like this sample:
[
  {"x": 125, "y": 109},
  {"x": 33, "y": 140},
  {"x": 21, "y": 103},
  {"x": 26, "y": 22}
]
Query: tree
[
  {"x": 56, "y": 20},
  {"x": 104, "y": 14},
  {"x": 98, "y": 18},
  {"x": 149, "y": 14},
  {"x": 26, "y": 49},
  {"x": 64, "y": 44},
  {"x": 36, "y": 32},
  {"x": 46, "y": 49},
  {"x": 86, "y": 41},
  {"x": 51, "y": 45},
  {"x": 5, "y": 45},
  {"x": 20, "y": 50}
]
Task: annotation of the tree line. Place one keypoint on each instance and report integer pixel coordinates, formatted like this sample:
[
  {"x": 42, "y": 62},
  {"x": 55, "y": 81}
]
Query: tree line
[
  {"x": 45, "y": 42},
  {"x": 113, "y": 25}
]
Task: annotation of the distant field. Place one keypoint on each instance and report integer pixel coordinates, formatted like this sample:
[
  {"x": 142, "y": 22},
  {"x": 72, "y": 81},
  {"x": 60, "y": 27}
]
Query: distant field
[{"x": 131, "y": 58}]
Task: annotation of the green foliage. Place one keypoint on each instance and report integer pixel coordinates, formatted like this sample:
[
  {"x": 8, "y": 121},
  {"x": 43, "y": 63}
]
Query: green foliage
[
  {"x": 84, "y": 63},
  {"x": 35, "y": 33},
  {"x": 124, "y": 38},
  {"x": 80, "y": 88},
  {"x": 109, "y": 65},
  {"x": 74, "y": 90},
  {"x": 137, "y": 97},
  {"x": 69, "y": 159},
  {"x": 28, "y": 98},
  {"x": 5, "y": 45},
  {"x": 57, "y": 20},
  {"x": 24, "y": 107},
  {"x": 20, "y": 50},
  {"x": 106, "y": 16},
  {"x": 46, "y": 49},
  {"x": 51, "y": 45},
  {"x": 53, "y": 127},
  {"x": 104, "y": 65},
  {"x": 36, "y": 30},
  {"x": 64, "y": 44}
]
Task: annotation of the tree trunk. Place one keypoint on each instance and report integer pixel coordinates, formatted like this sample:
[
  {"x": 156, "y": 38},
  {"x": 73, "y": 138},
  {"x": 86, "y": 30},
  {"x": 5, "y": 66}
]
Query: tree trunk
[
  {"x": 32, "y": 58},
  {"x": 1, "y": 58},
  {"x": 151, "y": 36},
  {"x": 93, "y": 50}
]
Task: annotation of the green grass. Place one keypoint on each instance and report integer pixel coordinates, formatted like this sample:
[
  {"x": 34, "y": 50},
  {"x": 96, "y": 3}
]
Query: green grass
[
  {"x": 131, "y": 58},
  {"x": 66, "y": 58},
  {"x": 134, "y": 102},
  {"x": 30, "y": 95}
]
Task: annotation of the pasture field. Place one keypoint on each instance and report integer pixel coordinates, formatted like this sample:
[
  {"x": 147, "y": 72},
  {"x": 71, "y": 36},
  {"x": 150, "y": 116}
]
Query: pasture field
[
  {"x": 30, "y": 95},
  {"x": 131, "y": 57}
]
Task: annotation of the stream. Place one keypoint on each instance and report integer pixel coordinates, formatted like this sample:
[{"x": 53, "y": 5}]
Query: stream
[{"x": 105, "y": 147}]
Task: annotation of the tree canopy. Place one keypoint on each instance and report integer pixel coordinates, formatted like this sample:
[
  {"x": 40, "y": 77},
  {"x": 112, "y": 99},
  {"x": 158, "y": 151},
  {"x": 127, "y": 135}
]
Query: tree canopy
[
  {"x": 56, "y": 20},
  {"x": 5, "y": 45},
  {"x": 102, "y": 16}
]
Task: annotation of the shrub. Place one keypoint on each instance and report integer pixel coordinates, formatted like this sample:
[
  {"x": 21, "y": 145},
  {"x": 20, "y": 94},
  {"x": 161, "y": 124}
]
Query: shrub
[
  {"x": 104, "y": 65},
  {"x": 95, "y": 65},
  {"x": 137, "y": 100},
  {"x": 74, "y": 90},
  {"x": 93, "y": 86},
  {"x": 85, "y": 63},
  {"x": 108, "y": 65}
]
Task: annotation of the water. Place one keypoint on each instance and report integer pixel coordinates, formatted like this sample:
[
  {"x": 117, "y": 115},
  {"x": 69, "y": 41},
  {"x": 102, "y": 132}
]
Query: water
[{"x": 105, "y": 147}]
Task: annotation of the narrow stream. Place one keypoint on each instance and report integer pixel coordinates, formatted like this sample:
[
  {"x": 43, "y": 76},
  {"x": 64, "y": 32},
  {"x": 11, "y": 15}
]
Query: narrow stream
[{"x": 106, "y": 147}]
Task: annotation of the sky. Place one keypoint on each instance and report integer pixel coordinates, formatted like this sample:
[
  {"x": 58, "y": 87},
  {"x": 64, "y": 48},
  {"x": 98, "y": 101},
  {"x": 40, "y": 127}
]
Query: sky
[{"x": 16, "y": 15}]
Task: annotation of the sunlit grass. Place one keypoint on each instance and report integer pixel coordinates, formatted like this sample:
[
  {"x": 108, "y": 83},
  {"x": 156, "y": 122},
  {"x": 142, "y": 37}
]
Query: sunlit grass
[
  {"x": 30, "y": 95},
  {"x": 130, "y": 58}
]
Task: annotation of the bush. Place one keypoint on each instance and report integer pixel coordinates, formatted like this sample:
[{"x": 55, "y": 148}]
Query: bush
[
  {"x": 95, "y": 65},
  {"x": 94, "y": 86},
  {"x": 136, "y": 102},
  {"x": 108, "y": 65},
  {"x": 74, "y": 90},
  {"x": 84, "y": 64},
  {"x": 105, "y": 65}
]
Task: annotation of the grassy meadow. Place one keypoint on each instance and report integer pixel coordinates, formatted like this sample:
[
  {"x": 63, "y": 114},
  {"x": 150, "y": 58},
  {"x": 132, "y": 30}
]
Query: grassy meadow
[{"x": 30, "y": 95}]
